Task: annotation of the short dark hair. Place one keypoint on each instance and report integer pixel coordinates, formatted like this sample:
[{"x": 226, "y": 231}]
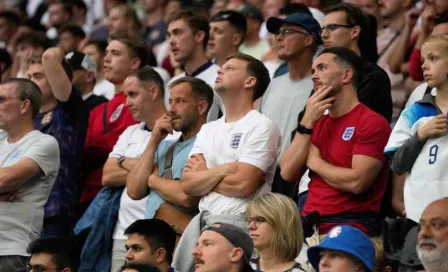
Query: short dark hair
[
  {"x": 138, "y": 48},
  {"x": 34, "y": 39},
  {"x": 148, "y": 74},
  {"x": 26, "y": 89},
  {"x": 12, "y": 19},
  {"x": 235, "y": 19},
  {"x": 75, "y": 30},
  {"x": 5, "y": 58},
  {"x": 130, "y": 14},
  {"x": 196, "y": 21},
  {"x": 99, "y": 44},
  {"x": 139, "y": 267},
  {"x": 289, "y": 9},
  {"x": 64, "y": 251},
  {"x": 256, "y": 69},
  {"x": 157, "y": 233},
  {"x": 80, "y": 4},
  {"x": 67, "y": 6},
  {"x": 67, "y": 68},
  {"x": 347, "y": 57},
  {"x": 200, "y": 89}
]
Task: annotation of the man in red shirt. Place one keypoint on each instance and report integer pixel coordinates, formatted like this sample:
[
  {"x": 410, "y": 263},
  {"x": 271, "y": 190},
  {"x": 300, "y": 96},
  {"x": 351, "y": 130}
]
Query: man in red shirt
[
  {"x": 341, "y": 141},
  {"x": 124, "y": 55}
]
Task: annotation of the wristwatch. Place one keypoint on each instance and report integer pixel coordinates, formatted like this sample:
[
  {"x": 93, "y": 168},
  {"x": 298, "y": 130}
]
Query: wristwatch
[
  {"x": 120, "y": 160},
  {"x": 303, "y": 130}
]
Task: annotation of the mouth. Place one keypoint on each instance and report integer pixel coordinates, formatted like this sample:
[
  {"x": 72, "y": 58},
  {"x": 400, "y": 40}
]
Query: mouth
[
  {"x": 427, "y": 246},
  {"x": 327, "y": 44},
  {"x": 426, "y": 76},
  {"x": 218, "y": 79},
  {"x": 175, "y": 51}
]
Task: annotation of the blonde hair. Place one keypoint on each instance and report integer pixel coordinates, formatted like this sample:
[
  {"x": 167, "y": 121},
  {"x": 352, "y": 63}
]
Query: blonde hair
[
  {"x": 439, "y": 38},
  {"x": 283, "y": 215}
]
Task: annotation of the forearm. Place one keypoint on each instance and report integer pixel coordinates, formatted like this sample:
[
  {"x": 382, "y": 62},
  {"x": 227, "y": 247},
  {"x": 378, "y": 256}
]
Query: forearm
[
  {"x": 404, "y": 158},
  {"x": 199, "y": 183},
  {"x": 398, "y": 52},
  {"x": 292, "y": 163},
  {"x": 340, "y": 178},
  {"x": 114, "y": 175},
  {"x": 137, "y": 179},
  {"x": 239, "y": 184},
  {"x": 171, "y": 191},
  {"x": 58, "y": 80},
  {"x": 7, "y": 181},
  {"x": 397, "y": 193}
]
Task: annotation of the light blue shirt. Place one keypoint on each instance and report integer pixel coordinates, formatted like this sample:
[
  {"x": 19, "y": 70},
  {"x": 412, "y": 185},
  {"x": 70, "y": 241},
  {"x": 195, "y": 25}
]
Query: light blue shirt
[{"x": 180, "y": 157}]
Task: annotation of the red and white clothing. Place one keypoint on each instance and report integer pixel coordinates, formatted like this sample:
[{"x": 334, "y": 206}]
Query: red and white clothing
[
  {"x": 359, "y": 132},
  {"x": 102, "y": 135}
]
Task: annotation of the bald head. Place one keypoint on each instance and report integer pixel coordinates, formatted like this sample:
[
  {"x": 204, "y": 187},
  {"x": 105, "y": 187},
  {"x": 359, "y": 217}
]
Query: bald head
[{"x": 432, "y": 240}]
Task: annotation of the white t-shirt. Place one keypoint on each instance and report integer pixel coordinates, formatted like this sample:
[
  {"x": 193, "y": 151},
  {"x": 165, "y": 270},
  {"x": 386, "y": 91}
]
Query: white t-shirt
[
  {"x": 21, "y": 220},
  {"x": 254, "y": 139},
  {"x": 257, "y": 51},
  {"x": 132, "y": 143},
  {"x": 418, "y": 93},
  {"x": 104, "y": 88},
  {"x": 209, "y": 76}
]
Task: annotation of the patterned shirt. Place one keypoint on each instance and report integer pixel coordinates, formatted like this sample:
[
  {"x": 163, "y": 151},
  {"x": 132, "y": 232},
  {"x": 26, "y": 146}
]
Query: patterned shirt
[
  {"x": 67, "y": 122},
  {"x": 296, "y": 267}
]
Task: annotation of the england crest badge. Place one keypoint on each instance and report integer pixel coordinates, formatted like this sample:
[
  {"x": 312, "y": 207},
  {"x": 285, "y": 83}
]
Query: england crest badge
[
  {"x": 235, "y": 142},
  {"x": 348, "y": 133}
]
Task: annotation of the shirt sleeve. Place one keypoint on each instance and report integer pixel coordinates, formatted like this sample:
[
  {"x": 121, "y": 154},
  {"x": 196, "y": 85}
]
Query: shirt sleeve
[
  {"x": 372, "y": 137},
  {"x": 198, "y": 147},
  {"x": 45, "y": 153},
  {"x": 75, "y": 107},
  {"x": 415, "y": 65},
  {"x": 400, "y": 134},
  {"x": 262, "y": 147},
  {"x": 121, "y": 145}
]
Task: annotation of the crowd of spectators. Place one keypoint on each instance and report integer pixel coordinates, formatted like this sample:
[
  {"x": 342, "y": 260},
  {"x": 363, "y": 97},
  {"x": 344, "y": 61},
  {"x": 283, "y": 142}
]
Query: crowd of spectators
[{"x": 227, "y": 135}]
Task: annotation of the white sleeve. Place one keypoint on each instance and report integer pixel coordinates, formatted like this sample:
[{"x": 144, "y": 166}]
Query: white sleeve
[
  {"x": 400, "y": 134},
  {"x": 198, "y": 146},
  {"x": 121, "y": 145},
  {"x": 262, "y": 146},
  {"x": 416, "y": 95},
  {"x": 45, "y": 153}
]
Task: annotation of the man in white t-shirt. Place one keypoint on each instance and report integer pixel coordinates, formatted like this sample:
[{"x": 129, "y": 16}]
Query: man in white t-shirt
[
  {"x": 297, "y": 38},
  {"x": 29, "y": 164},
  {"x": 188, "y": 37},
  {"x": 144, "y": 92},
  {"x": 233, "y": 158}
]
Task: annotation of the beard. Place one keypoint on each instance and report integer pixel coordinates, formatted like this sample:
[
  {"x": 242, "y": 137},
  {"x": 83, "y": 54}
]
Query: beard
[{"x": 435, "y": 260}]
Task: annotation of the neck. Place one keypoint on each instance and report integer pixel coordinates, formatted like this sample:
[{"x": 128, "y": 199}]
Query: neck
[
  {"x": 237, "y": 107},
  {"x": 17, "y": 133},
  {"x": 252, "y": 40},
  {"x": 198, "y": 59},
  {"x": 345, "y": 101},
  {"x": 268, "y": 261},
  {"x": 194, "y": 130},
  {"x": 88, "y": 88},
  {"x": 300, "y": 67},
  {"x": 154, "y": 16},
  {"x": 157, "y": 110},
  {"x": 119, "y": 87},
  {"x": 163, "y": 267},
  {"x": 354, "y": 47},
  {"x": 222, "y": 58},
  {"x": 100, "y": 75},
  {"x": 396, "y": 23},
  {"x": 49, "y": 105}
]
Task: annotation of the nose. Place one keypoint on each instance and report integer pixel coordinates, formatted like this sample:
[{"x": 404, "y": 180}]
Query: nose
[
  {"x": 128, "y": 102},
  {"x": 424, "y": 66},
  {"x": 106, "y": 58},
  {"x": 424, "y": 232},
  {"x": 129, "y": 255},
  {"x": 196, "y": 251},
  {"x": 324, "y": 261}
]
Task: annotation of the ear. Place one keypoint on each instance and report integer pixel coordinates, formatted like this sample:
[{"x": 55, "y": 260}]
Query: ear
[
  {"x": 89, "y": 77},
  {"x": 26, "y": 106},
  {"x": 347, "y": 76},
  {"x": 154, "y": 92},
  {"x": 199, "y": 37},
  {"x": 135, "y": 63},
  {"x": 66, "y": 270},
  {"x": 309, "y": 40},
  {"x": 356, "y": 32},
  {"x": 202, "y": 106},
  {"x": 160, "y": 255},
  {"x": 250, "y": 82},
  {"x": 236, "y": 254},
  {"x": 236, "y": 39}
]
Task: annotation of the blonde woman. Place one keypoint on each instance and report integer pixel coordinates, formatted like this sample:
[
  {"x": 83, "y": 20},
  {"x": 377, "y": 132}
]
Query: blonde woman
[{"x": 275, "y": 228}]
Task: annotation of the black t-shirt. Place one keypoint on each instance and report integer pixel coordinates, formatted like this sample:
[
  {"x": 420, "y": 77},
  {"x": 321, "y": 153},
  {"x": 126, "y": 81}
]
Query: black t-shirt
[{"x": 94, "y": 100}]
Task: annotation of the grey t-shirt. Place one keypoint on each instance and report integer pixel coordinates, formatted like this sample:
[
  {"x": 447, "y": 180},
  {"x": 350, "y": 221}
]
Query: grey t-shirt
[
  {"x": 283, "y": 101},
  {"x": 21, "y": 220}
]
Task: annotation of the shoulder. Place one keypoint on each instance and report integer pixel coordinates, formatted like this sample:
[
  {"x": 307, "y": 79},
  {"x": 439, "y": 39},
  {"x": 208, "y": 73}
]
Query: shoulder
[
  {"x": 372, "y": 119},
  {"x": 261, "y": 122},
  {"x": 373, "y": 71},
  {"x": 417, "y": 111},
  {"x": 43, "y": 139},
  {"x": 131, "y": 129}
]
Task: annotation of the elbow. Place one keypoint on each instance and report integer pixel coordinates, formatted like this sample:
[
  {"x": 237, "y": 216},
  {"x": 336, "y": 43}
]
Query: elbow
[
  {"x": 249, "y": 189},
  {"x": 106, "y": 180},
  {"x": 133, "y": 194},
  {"x": 289, "y": 175},
  {"x": 359, "y": 187},
  {"x": 188, "y": 190},
  {"x": 188, "y": 201}
]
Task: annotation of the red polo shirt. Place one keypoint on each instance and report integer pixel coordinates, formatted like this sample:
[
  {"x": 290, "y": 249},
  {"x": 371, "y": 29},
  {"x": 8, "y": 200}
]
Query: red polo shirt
[{"x": 101, "y": 139}]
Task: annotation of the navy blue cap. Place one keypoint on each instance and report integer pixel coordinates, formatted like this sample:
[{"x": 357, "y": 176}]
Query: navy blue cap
[
  {"x": 346, "y": 239},
  {"x": 301, "y": 19}
]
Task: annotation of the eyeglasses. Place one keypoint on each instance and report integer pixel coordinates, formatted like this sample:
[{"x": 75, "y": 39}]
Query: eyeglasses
[
  {"x": 257, "y": 220},
  {"x": 333, "y": 27},
  {"x": 288, "y": 31}
]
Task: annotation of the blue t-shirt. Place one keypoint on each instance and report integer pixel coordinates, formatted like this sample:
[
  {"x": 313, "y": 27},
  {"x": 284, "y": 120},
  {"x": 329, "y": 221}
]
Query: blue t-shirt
[
  {"x": 67, "y": 122},
  {"x": 180, "y": 157}
]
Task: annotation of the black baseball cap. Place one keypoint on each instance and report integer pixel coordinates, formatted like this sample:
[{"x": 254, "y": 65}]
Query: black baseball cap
[
  {"x": 238, "y": 238},
  {"x": 80, "y": 61},
  {"x": 251, "y": 12},
  {"x": 234, "y": 17}
]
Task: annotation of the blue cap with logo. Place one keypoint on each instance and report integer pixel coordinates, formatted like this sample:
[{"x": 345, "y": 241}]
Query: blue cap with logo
[
  {"x": 301, "y": 19},
  {"x": 346, "y": 239}
]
